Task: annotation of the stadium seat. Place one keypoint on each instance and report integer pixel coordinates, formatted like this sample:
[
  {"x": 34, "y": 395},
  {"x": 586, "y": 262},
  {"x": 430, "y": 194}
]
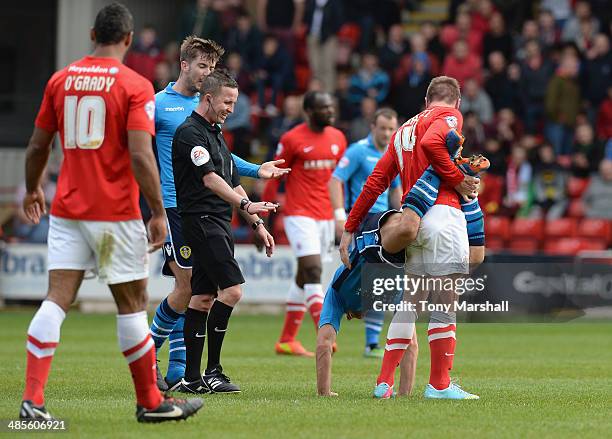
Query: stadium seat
[
  {"x": 524, "y": 245},
  {"x": 561, "y": 228},
  {"x": 596, "y": 229},
  {"x": 497, "y": 227},
  {"x": 494, "y": 243},
  {"x": 527, "y": 228},
  {"x": 576, "y": 186},
  {"x": 575, "y": 209},
  {"x": 572, "y": 246}
]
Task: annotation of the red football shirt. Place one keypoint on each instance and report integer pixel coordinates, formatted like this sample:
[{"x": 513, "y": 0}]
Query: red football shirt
[
  {"x": 93, "y": 102},
  {"x": 312, "y": 157},
  {"x": 418, "y": 143}
]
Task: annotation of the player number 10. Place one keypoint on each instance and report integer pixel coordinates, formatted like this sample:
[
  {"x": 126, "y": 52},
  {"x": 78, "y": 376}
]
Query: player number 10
[{"x": 84, "y": 122}]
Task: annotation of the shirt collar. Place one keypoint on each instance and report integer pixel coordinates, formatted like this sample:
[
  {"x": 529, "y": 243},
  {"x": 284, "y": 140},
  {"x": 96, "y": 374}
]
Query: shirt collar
[
  {"x": 215, "y": 128},
  {"x": 171, "y": 91}
]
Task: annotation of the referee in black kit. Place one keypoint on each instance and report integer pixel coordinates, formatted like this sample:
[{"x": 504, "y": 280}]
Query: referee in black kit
[{"x": 207, "y": 188}]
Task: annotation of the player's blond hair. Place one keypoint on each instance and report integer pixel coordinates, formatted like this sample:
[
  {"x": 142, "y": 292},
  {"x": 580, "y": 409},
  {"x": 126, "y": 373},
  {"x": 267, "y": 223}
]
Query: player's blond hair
[
  {"x": 194, "y": 47},
  {"x": 443, "y": 88}
]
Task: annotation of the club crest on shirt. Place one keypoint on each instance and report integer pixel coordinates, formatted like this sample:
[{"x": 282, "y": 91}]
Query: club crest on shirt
[
  {"x": 344, "y": 162},
  {"x": 199, "y": 155},
  {"x": 150, "y": 109},
  {"x": 451, "y": 121},
  {"x": 185, "y": 252},
  {"x": 335, "y": 149}
]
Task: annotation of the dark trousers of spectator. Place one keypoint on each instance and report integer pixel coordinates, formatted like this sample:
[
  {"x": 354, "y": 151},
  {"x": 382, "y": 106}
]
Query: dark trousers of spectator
[
  {"x": 534, "y": 111},
  {"x": 275, "y": 82},
  {"x": 560, "y": 136}
]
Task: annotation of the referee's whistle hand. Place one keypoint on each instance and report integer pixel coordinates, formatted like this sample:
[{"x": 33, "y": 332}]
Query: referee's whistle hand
[{"x": 157, "y": 232}]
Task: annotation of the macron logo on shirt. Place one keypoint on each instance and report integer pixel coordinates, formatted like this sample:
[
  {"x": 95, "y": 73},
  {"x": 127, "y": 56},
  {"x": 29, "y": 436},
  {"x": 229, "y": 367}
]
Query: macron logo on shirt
[{"x": 174, "y": 109}]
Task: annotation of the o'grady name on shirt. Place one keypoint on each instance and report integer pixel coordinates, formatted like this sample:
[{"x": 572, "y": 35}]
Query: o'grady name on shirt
[{"x": 89, "y": 83}]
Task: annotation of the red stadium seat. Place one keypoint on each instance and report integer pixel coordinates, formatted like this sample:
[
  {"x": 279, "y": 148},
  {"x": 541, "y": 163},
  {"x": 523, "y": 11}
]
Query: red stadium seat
[
  {"x": 572, "y": 246},
  {"x": 494, "y": 243},
  {"x": 576, "y": 186},
  {"x": 524, "y": 245},
  {"x": 561, "y": 228},
  {"x": 527, "y": 228},
  {"x": 596, "y": 229},
  {"x": 498, "y": 227},
  {"x": 575, "y": 209}
]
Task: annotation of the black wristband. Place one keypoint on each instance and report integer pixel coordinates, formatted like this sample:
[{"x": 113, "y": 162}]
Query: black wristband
[
  {"x": 243, "y": 203},
  {"x": 257, "y": 223}
]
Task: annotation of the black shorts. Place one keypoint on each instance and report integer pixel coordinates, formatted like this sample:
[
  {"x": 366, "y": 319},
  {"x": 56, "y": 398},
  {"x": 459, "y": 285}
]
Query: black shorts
[
  {"x": 212, "y": 244},
  {"x": 175, "y": 248}
]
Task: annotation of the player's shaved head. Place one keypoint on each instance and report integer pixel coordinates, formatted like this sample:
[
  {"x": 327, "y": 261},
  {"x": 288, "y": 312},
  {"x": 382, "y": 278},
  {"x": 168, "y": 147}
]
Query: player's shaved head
[
  {"x": 214, "y": 82},
  {"x": 194, "y": 47},
  {"x": 443, "y": 89},
  {"x": 112, "y": 24}
]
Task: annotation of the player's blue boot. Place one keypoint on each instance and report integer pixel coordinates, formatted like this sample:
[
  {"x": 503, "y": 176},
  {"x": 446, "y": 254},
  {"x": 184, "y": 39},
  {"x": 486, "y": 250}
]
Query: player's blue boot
[
  {"x": 383, "y": 391},
  {"x": 453, "y": 391}
]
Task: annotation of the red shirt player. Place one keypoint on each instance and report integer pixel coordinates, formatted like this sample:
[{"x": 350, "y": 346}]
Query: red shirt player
[
  {"x": 103, "y": 112},
  {"x": 311, "y": 150},
  {"x": 441, "y": 247}
]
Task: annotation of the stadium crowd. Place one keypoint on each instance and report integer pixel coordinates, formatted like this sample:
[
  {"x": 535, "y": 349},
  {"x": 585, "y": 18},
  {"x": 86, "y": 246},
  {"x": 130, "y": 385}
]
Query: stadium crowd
[{"x": 536, "y": 82}]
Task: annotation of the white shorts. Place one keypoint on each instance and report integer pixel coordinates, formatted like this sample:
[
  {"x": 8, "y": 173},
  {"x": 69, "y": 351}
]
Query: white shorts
[
  {"x": 441, "y": 246},
  {"x": 115, "y": 250},
  {"x": 308, "y": 236}
]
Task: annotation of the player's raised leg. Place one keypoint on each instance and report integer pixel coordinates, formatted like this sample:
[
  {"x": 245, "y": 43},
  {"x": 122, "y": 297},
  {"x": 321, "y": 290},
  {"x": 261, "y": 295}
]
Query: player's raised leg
[{"x": 43, "y": 338}]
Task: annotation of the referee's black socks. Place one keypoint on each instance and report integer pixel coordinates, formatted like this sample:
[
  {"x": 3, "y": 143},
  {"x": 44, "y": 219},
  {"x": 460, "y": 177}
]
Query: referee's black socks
[
  {"x": 194, "y": 331},
  {"x": 216, "y": 326}
]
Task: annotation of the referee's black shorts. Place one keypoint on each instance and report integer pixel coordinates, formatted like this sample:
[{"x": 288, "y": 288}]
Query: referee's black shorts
[{"x": 212, "y": 253}]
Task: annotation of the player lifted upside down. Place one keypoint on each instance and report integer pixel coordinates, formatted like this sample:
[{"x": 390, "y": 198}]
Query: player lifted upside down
[
  {"x": 439, "y": 241},
  {"x": 312, "y": 150},
  {"x": 345, "y": 295},
  {"x": 104, "y": 114}
]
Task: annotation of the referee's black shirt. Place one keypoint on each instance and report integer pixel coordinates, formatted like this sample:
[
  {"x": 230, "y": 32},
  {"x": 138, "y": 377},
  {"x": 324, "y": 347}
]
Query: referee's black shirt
[{"x": 198, "y": 148}]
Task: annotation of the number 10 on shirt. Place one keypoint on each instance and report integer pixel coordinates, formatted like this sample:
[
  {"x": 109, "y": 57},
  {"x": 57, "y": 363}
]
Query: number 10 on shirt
[{"x": 84, "y": 122}]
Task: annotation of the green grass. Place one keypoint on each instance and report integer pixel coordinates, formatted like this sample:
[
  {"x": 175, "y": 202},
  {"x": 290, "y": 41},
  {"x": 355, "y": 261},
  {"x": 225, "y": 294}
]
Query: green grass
[{"x": 535, "y": 380}]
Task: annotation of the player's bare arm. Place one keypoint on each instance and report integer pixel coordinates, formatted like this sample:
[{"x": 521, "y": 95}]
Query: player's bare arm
[
  {"x": 271, "y": 169},
  {"x": 146, "y": 174},
  {"x": 326, "y": 337},
  {"x": 37, "y": 155},
  {"x": 336, "y": 196},
  {"x": 261, "y": 233}
]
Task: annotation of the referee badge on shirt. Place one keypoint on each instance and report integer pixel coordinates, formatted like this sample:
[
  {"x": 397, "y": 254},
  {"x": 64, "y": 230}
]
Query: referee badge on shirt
[
  {"x": 185, "y": 252},
  {"x": 199, "y": 156}
]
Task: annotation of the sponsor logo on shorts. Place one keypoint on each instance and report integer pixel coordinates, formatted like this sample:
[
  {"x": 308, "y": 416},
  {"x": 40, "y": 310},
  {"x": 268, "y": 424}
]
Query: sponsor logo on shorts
[
  {"x": 168, "y": 248},
  {"x": 185, "y": 251}
]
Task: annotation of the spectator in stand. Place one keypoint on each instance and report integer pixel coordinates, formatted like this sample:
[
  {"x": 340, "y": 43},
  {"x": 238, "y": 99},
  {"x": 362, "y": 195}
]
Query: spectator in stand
[
  {"x": 496, "y": 155},
  {"x": 238, "y": 123},
  {"x": 246, "y": 39},
  {"x": 529, "y": 32},
  {"x": 369, "y": 81},
  {"x": 586, "y": 144},
  {"x": 597, "y": 73},
  {"x": 582, "y": 12},
  {"x": 172, "y": 55},
  {"x": 429, "y": 30},
  {"x": 145, "y": 53},
  {"x": 535, "y": 74},
  {"x": 474, "y": 132},
  {"x": 289, "y": 118},
  {"x": 518, "y": 178},
  {"x": 410, "y": 92},
  {"x": 462, "y": 30},
  {"x": 202, "y": 20},
  {"x": 282, "y": 18},
  {"x": 549, "y": 33},
  {"x": 498, "y": 39},
  {"x": 604, "y": 117},
  {"x": 236, "y": 69},
  {"x": 482, "y": 16},
  {"x": 394, "y": 49},
  {"x": 323, "y": 20},
  {"x": 506, "y": 128},
  {"x": 360, "y": 126},
  {"x": 597, "y": 198},
  {"x": 562, "y": 105},
  {"x": 275, "y": 70},
  {"x": 549, "y": 182},
  {"x": 163, "y": 75},
  {"x": 23, "y": 228},
  {"x": 586, "y": 36},
  {"x": 462, "y": 65},
  {"x": 561, "y": 10},
  {"x": 497, "y": 85},
  {"x": 476, "y": 100},
  {"x": 346, "y": 112}
]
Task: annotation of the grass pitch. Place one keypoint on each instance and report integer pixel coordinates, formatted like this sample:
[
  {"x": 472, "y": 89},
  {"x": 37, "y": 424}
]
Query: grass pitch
[{"x": 535, "y": 380}]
